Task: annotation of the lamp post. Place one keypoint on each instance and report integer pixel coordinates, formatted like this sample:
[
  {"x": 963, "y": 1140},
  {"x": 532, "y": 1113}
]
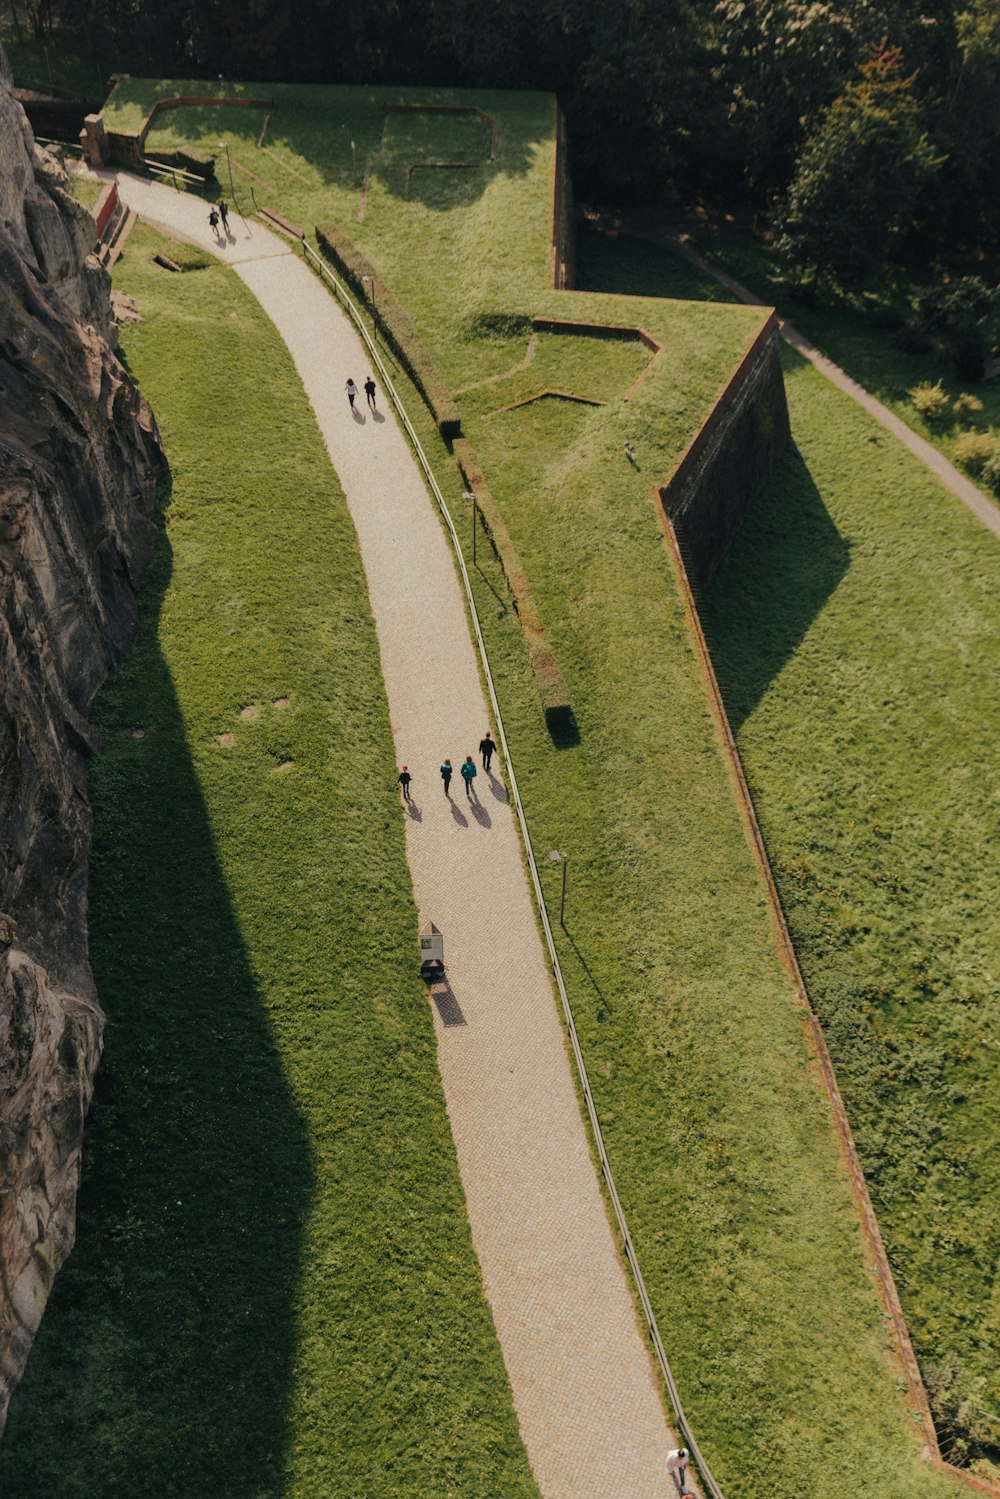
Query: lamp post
[
  {"x": 369, "y": 281},
  {"x": 354, "y": 162},
  {"x": 468, "y": 495},
  {"x": 224, "y": 146},
  {"x": 558, "y": 858}
]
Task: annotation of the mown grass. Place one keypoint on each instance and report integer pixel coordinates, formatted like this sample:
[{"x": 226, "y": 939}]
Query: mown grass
[
  {"x": 274, "y": 1290},
  {"x": 856, "y": 626},
  {"x": 87, "y": 191},
  {"x": 719, "y": 1135}
]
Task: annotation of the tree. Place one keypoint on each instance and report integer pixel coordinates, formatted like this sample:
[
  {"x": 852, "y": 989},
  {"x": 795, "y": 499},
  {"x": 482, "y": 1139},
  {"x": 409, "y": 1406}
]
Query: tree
[{"x": 860, "y": 174}]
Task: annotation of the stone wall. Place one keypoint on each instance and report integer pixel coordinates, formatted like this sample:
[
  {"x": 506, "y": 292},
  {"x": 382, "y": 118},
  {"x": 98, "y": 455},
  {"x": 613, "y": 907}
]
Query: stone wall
[
  {"x": 729, "y": 457},
  {"x": 80, "y": 462}
]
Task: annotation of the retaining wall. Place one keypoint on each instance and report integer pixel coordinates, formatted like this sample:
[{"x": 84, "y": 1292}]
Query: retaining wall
[{"x": 729, "y": 457}]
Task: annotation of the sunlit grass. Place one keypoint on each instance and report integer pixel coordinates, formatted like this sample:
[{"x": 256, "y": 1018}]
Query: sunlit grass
[{"x": 274, "y": 1290}]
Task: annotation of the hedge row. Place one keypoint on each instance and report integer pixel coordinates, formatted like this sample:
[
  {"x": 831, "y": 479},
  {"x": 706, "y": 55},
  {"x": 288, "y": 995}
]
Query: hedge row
[
  {"x": 396, "y": 326},
  {"x": 548, "y": 678}
]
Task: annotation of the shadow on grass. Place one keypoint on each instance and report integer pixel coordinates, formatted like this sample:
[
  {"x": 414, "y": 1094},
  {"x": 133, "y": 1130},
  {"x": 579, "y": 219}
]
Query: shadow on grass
[
  {"x": 164, "y": 1361},
  {"x": 785, "y": 563}
]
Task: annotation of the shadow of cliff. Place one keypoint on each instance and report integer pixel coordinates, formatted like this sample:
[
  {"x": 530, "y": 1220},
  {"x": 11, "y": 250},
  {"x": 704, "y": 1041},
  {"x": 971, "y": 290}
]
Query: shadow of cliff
[
  {"x": 164, "y": 1360},
  {"x": 785, "y": 563}
]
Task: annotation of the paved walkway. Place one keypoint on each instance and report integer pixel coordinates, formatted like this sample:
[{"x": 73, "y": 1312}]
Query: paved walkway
[
  {"x": 583, "y": 1380},
  {"x": 946, "y": 473}
]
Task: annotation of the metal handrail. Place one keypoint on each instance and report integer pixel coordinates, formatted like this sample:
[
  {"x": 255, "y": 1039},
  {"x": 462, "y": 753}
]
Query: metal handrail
[{"x": 661, "y": 1355}]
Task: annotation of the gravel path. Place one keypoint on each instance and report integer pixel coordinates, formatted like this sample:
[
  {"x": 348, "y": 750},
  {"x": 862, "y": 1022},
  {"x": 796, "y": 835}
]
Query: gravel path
[{"x": 583, "y": 1380}]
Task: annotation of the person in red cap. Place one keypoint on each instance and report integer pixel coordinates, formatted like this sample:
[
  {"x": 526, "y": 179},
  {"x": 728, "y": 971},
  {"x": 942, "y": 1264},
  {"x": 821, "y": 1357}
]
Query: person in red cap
[{"x": 404, "y": 779}]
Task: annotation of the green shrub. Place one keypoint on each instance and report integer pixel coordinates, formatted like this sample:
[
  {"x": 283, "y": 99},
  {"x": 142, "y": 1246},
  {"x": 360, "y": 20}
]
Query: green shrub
[
  {"x": 396, "y": 326},
  {"x": 966, "y": 406},
  {"x": 929, "y": 400},
  {"x": 974, "y": 450},
  {"x": 991, "y": 474}
]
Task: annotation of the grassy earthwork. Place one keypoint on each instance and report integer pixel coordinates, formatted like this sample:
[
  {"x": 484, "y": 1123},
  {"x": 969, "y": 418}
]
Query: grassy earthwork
[
  {"x": 856, "y": 629},
  {"x": 274, "y": 1290},
  {"x": 719, "y": 1134}
]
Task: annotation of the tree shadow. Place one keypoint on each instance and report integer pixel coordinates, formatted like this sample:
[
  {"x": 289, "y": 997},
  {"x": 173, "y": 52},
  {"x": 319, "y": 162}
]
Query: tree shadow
[
  {"x": 785, "y": 563},
  {"x": 164, "y": 1362}
]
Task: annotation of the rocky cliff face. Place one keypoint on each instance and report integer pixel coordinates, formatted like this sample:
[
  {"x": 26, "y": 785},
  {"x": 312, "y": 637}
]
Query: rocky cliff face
[{"x": 80, "y": 461}]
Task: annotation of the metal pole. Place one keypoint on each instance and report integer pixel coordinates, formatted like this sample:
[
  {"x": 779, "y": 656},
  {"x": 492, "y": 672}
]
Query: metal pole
[
  {"x": 354, "y": 163},
  {"x": 468, "y": 495},
  {"x": 229, "y": 164},
  {"x": 562, "y": 903}
]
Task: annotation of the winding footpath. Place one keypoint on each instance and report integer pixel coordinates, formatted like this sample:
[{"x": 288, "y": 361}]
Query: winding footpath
[{"x": 582, "y": 1378}]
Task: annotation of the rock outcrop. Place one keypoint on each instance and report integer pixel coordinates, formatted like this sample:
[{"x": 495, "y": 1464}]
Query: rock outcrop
[{"x": 80, "y": 462}]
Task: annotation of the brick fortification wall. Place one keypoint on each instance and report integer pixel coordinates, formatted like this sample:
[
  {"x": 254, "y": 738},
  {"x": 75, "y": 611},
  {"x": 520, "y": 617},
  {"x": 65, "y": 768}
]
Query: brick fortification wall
[{"x": 729, "y": 458}]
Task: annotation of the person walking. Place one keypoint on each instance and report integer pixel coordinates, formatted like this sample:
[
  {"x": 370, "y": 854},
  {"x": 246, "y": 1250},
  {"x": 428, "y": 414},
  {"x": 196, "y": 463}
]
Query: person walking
[
  {"x": 404, "y": 779},
  {"x": 468, "y": 774},
  {"x": 352, "y": 391},
  {"x": 677, "y": 1462},
  {"x": 370, "y": 391},
  {"x": 213, "y": 219},
  {"x": 446, "y": 777},
  {"x": 224, "y": 214},
  {"x": 486, "y": 748}
]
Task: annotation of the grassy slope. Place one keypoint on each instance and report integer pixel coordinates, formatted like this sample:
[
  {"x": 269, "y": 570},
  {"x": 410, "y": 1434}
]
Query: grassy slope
[
  {"x": 720, "y": 1140},
  {"x": 274, "y": 1290},
  {"x": 857, "y": 626},
  {"x": 719, "y": 1136},
  {"x": 718, "y": 1132}
]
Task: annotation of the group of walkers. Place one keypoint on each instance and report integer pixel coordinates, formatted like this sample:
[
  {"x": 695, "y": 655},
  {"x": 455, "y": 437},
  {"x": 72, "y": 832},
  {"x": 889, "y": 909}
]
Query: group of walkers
[
  {"x": 352, "y": 391},
  {"x": 467, "y": 770},
  {"x": 219, "y": 214}
]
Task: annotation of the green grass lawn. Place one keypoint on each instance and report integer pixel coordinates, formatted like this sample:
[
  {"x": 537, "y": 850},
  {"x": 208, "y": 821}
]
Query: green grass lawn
[
  {"x": 856, "y": 627},
  {"x": 87, "y": 190},
  {"x": 719, "y": 1137},
  {"x": 718, "y": 1132},
  {"x": 274, "y": 1290}
]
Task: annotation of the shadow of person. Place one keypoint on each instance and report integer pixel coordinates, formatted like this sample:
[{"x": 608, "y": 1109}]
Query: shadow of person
[
  {"x": 377, "y": 416},
  {"x": 414, "y": 811},
  {"x": 498, "y": 789},
  {"x": 358, "y": 416},
  {"x": 458, "y": 815},
  {"x": 480, "y": 813}
]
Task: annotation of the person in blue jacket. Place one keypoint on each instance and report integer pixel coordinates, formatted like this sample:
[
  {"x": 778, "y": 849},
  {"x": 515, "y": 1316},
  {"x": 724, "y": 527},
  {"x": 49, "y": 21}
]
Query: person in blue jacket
[{"x": 468, "y": 774}]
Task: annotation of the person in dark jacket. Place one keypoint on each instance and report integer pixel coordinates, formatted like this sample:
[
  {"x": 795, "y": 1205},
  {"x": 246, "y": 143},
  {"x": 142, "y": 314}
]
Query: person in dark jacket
[
  {"x": 486, "y": 748},
  {"x": 404, "y": 779},
  {"x": 468, "y": 774},
  {"x": 446, "y": 777}
]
